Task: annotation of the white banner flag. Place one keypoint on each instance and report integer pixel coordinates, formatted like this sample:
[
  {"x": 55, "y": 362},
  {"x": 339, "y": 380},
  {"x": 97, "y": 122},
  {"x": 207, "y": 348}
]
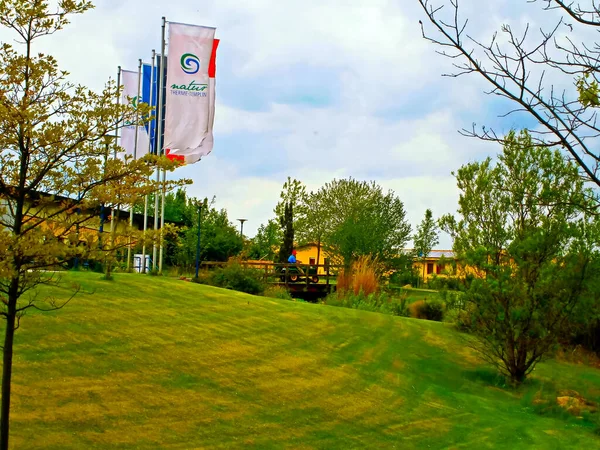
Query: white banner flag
[
  {"x": 190, "y": 97},
  {"x": 129, "y": 95}
]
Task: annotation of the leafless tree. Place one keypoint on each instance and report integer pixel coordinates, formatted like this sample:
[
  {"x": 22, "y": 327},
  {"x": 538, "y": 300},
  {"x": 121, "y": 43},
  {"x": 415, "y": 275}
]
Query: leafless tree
[{"x": 550, "y": 74}]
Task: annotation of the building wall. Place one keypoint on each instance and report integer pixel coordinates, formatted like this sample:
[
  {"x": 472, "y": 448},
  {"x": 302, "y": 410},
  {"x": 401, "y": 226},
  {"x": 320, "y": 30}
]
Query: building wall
[
  {"x": 89, "y": 227},
  {"x": 427, "y": 269},
  {"x": 307, "y": 254},
  {"x": 433, "y": 266},
  {"x": 58, "y": 222}
]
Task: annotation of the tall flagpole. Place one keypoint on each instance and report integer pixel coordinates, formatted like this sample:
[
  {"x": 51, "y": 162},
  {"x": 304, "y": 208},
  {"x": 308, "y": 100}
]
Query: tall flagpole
[
  {"x": 149, "y": 151},
  {"x": 157, "y": 153},
  {"x": 162, "y": 83},
  {"x": 137, "y": 100},
  {"x": 113, "y": 209},
  {"x": 162, "y": 221},
  {"x": 161, "y": 77}
]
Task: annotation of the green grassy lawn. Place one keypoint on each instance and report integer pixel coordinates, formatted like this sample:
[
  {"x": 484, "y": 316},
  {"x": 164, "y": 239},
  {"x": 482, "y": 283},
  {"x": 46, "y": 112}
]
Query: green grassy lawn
[
  {"x": 148, "y": 362},
  {"x": 415, "y": 294}
]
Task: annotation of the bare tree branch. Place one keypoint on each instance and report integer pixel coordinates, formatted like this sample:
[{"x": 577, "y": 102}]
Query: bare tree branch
[{"x": 518, "y": 71}]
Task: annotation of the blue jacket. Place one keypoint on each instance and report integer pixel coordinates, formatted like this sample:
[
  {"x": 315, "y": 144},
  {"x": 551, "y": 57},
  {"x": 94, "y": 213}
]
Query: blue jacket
[{"x": 292, "y": 259}]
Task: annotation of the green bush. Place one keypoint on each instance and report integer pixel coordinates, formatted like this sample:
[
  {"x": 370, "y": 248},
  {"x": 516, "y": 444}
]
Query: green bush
[
  {"x": 398, "y": 306},
  {"x": 402, "y": 278},
  {"x": 238, "y": 278},
  {"x": 278, "y": 292},
  {"x": 452, "y": 316},
  {"x": 96, "y": 266},
  {"x": 464, "y": 318},
  {"x": 204, "y": 277},
  {"x": 434, "y": 310},
  {"x": 120, "y": 267},
  {"x": 428, "y": 309},
  {"x": 454, "y": 300},
  {"x": 456, "y": 310},
  {"x": 450, "y": 283}
]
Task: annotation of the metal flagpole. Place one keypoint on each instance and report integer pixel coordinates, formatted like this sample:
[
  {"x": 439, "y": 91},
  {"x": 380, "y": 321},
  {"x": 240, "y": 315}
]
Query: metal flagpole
[
  {"x": 101, "y": 227},
  {"x": 157, "y": 140},
  {"x": 198, "y": 241},
  {"x": 134, "y": 156},
  {"x": 112, "y": 211},
  {"x": 149, "y": 151},
  {"x": 161, "y": 128},
  {"x": 154, "y": 247},
  {"x": 162, "y": 221}
]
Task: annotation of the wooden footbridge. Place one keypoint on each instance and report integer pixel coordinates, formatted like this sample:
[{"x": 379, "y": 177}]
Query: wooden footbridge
[{"x": 309, "y": 282}]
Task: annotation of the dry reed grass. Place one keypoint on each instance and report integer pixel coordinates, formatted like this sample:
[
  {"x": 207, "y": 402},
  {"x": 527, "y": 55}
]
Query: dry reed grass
[{"x": 363, "y": 276}]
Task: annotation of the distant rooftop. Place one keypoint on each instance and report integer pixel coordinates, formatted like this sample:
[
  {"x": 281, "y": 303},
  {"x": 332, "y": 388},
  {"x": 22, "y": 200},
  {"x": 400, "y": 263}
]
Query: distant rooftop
[
  {"x": 435, "y": 253},
  {"x": 440, "y": 253}
]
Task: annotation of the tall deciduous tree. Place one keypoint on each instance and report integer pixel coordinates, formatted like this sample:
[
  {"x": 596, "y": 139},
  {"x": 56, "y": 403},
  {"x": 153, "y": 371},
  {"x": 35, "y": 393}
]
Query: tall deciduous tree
[
  {"x": 175, "y": 207},
  {"x": 267, "y": 239},
  {"x": 219, "y": 238},
  {"x": 293, "y": 192},
  {"x": 54, "y": 139},
  {"x": 315, "y": 221},
  {"x": 523, "y": 228},
  {"x": 426, "y": 238},
  {"x": 364, "y": 220},
  {"x": 551, "y": 75}
]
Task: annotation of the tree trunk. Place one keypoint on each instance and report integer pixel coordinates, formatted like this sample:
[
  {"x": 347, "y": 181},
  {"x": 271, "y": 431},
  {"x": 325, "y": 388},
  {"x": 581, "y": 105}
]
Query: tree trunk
[
  {"x": 518, "y": 375},
  {"x": 111, "y": 253},
  {"x": 7, "y": 364},
  {"x": 318, "y": 253},
  {"x": 108, "y": 275}
]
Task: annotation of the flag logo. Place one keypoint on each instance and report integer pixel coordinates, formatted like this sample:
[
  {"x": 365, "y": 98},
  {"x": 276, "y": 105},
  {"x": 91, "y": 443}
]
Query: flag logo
[{"x": 190, "y": 63}]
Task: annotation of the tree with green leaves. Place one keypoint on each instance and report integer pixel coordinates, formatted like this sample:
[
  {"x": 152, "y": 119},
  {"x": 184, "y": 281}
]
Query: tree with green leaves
[
  {"x": 219, "y": 238},
  {"x": 175, "y": 207},
  {"x": 57, "y": 142},
  {"x": 293, "y": 192},
  {"x": 525, "y": 230},
  {"x": 268, "y": 238},
  {"x": 315, "y": 221},
  {"x": 287, "y": 225},
  {"x": 362, "y": 219},
  {"x": 425, "y": 238}
]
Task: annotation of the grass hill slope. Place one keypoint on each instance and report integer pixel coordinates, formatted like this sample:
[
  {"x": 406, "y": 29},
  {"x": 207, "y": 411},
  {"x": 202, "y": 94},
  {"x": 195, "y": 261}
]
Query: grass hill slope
[{"x": 157, "y": 363}]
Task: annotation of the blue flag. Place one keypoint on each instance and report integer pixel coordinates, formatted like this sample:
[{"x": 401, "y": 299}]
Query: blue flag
[{"x": 149, "y": 83}]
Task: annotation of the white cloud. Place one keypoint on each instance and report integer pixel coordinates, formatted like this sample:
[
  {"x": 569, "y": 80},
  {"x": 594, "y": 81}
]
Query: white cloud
[
  {"x": 391, "y": 116},
  {"x": 413, "y": 156}
]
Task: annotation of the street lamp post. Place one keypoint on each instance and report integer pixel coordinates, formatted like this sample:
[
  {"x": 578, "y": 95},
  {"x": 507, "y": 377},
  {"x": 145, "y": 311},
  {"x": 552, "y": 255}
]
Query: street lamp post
[
  {"x": 242, "y": 226},
  {"x": 198, "y": 242}
]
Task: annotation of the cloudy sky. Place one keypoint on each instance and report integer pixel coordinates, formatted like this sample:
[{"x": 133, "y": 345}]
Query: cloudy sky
[{"x": 313, "y": 89}]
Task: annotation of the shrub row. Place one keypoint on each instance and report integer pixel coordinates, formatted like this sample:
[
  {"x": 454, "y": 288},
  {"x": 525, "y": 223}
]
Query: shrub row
[
  {"x": 235, "y": 277},
  {"x": 382, "y": 302},
  {"x": 375, "y": 302}
]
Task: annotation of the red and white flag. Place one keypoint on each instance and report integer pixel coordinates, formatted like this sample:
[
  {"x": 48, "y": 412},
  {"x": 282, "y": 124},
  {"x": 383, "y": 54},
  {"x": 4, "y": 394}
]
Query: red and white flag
[
  {"x": 129, "y": 94},
  {"x": 190, "y": 92}
]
